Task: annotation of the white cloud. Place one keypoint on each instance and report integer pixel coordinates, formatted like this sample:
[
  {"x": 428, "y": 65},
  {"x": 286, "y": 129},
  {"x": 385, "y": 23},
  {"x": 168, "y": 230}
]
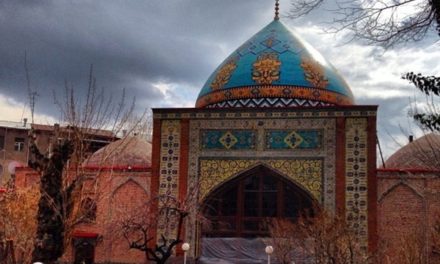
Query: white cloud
[
  {"x": 371, "y": 71},
  {"x": 12, "y": 110},
  {"x": 374, "y": 76},
  {"x": 176, "y": 94},
  {"x": 400, "y": 13}
]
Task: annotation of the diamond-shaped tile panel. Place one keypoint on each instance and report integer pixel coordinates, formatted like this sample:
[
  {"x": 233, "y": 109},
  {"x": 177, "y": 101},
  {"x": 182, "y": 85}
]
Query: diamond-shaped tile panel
[
  {"x": 270, "y": 42},
  {"x": 251, "y": 47},
  {"x": 293, "y": 140},
  {"x": 281, "y": 47},
  {"x": 246, "y": 48},
  {"x": 258, "y": 48},
  {"x": 293, "y": 47},
  {"x": 228, "y": 140}
]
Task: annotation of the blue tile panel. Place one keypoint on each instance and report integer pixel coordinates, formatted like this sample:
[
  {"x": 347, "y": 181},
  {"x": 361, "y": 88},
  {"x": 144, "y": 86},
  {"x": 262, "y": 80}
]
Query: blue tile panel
[
  {"x": 228, "y": 139},
  {"x": 293, "y": 139}
]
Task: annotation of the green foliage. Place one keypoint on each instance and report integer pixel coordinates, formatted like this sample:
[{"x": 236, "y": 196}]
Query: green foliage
[
  {"x": 430, "y": 85},
  {"x": 427, "y": 84}
]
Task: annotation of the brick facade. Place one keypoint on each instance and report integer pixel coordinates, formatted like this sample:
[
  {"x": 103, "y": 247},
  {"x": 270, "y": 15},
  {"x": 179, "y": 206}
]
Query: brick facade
[
  {"x": 116, "y": 189},
  {"x": 14, "y": 143},
  {"x": 408, "y": 209},
  {"x": 13, "y": 149},
  {"x": 402, "y": 205},
  {"x": 347, "y": 157}
]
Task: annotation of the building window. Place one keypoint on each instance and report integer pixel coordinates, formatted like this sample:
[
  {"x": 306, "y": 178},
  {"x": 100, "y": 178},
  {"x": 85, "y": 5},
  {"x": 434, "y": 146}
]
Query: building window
[
  {"x": 243, "y": 207},
  {"x": 84, "y": 250},
  {"x": 88, "y": 210},
  {"x": 19, "y": 144},
  {"x": 2, "y": 142}
]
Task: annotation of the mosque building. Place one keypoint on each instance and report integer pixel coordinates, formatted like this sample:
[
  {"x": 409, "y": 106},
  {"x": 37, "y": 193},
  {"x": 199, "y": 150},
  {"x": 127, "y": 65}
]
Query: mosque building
[{"x": 275, "y": 131}]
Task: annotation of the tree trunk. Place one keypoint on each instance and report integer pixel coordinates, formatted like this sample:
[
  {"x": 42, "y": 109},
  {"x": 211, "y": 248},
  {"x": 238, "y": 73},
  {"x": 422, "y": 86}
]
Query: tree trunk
[{"x": 49, "y": 242}]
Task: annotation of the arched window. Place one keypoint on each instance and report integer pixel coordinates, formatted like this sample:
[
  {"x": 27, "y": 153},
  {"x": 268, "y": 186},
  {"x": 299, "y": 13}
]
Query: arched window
[
  {"x": 88, "y": 209},
  {"x": 243, "y": 206}
]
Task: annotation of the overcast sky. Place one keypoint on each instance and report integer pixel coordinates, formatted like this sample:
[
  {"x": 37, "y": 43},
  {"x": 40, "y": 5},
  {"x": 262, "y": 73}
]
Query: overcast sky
[{"x": 162, "y": 52}]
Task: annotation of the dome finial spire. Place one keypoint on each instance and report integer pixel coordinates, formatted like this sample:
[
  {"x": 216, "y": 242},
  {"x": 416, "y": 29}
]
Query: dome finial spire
[{"x": 277, "y": 9}]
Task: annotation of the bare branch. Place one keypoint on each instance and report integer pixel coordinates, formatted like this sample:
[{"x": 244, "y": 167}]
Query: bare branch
[
  {"x": 386, "y": 23},
  {"x": 63, "y": 176}
]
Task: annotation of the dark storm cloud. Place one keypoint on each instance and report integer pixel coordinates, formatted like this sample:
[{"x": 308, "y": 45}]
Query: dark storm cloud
[
  {"x": 163, "y": 51},
  {"x": 132, "y": 44}
]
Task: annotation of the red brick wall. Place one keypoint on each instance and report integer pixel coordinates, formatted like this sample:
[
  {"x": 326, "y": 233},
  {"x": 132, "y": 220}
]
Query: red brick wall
[
  {"x": 130, "y": 196},
  {"x": 25, "y": 176},
  {"x": 408, "y": 207},
  {"x": 118, "y": 192},
  {"x": 115, "y": 190}
]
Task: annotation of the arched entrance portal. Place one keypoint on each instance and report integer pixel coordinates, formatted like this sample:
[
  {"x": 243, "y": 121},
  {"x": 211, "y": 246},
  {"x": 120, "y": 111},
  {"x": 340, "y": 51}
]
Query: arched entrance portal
[{"x": 242, "y": 206}]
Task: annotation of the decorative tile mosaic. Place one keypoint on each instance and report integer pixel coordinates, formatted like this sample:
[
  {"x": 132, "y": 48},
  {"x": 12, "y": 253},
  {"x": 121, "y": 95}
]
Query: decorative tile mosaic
[
  {"x": 228, "y": 139},
  {"x": 287, "y": 163},
  {"x": 273, "y": 113},
  {"x": 266, "y": 91},
  {"x": 356, "y": 192},
  {"x": 307, "y": 173},
  {"x": 169, "y": 158},
  {"x": 169, "y": 168},
  {"x": 326, "y": 152},
  {"x": 224, "y": 74},
  {"x": 291, "y": 139},
  {"x": 267, "y": 102},
  {"x": 314, "y": 73},
  {"x": 266, "y": 69}
]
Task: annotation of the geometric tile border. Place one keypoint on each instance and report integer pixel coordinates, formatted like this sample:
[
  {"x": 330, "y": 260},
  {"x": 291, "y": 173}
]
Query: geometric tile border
[
  {"x": 169, "y": 171},
  {"x": 356, "y": 183}
]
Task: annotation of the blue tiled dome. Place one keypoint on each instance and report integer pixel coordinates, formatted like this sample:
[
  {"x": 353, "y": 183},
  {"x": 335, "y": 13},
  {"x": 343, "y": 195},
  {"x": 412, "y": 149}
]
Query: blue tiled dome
[{"x": 274, "y": 69}]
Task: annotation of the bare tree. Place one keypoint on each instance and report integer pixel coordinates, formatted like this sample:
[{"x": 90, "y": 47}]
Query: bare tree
[
  {"x": 321, "y": 239},
  {"x": 412, "y": 248},
  {"x": 284, "y": 239},
  {"x": 62, "y": 175},
  {"x": 18, "y": 209},
  {"x": 155, "y": 227},
  {"x": 138, "y": 226},
  {"x": 386, "y": 22},
  {"x": 406, "y": 244}
]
